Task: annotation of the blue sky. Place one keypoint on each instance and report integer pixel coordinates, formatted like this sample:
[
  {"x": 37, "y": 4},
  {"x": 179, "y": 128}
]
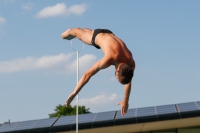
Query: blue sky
[{"x": 38, "y": 68}]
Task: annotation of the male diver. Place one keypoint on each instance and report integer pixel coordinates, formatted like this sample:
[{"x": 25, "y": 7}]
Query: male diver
[{"x": 115, "y": 53}]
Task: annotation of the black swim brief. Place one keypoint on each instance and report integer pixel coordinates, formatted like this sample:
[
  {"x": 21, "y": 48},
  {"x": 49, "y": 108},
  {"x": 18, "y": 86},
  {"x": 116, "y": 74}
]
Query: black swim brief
[{"x": 96, "y": 32}]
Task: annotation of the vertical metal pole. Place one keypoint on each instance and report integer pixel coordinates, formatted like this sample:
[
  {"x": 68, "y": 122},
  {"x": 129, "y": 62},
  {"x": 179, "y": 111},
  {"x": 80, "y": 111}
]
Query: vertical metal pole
[
  {"x": 77, "y": 52},
  {"x": 77, "y": 94}
]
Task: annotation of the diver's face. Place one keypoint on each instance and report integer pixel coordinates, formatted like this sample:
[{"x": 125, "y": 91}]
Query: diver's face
[
  {"x": 117, "y": 71},
  {"x": 117, "y": 74}
]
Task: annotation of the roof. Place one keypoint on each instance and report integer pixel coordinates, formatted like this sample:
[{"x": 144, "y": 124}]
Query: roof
[{"x": 142, "y": 119}]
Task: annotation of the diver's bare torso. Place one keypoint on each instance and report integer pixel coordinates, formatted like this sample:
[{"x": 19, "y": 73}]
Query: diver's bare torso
[{"x": 115, "y": 48}]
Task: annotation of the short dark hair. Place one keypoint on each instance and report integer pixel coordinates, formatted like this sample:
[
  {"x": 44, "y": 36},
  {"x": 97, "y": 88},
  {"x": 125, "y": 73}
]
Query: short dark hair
[{"x": 125, "y": 74}]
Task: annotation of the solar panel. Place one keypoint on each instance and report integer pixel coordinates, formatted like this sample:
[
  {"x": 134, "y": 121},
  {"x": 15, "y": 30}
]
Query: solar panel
[
  {"x": 184, "y": 107},
  {"x": 166, "y": 109},
  {"x": 45, "y": 123},
  {"x": 103, "y": 116},
  {"x": 84, "y": 118},
  {"x": 130, "y": 113},
  {"x": 65, "y": 120},
  {"x": 167, "y": 112},
  {"x": 8, "y": 127},
  {"x": 104, "y": 119},
  {"x": 128, "y": 118},
  {"x": 198, "y": 103},
  {"x": 24, "y": 125},
  {"x": 84, "y": 121},
  {"x": 147, "y": 111}
]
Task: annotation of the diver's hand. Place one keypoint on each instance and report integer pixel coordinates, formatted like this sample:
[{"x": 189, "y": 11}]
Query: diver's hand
[
  {"x": 124, "y": 107},
  {"x": 70, "y": 98},
  {"x": 66, "y": 35}
]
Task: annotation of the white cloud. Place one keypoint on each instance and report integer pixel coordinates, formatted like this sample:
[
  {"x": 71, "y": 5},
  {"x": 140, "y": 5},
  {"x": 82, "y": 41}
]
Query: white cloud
[
  {"x": 101, "y": 99},
  {"x": 51, "y": 11},
  {"x": 61, "y": 9},
  {"x": 77, "y": 9},
  {"x": 27, "y": 6},
  {"x": 58, "y": 63},
  {"x": 2, "y": 20}
]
